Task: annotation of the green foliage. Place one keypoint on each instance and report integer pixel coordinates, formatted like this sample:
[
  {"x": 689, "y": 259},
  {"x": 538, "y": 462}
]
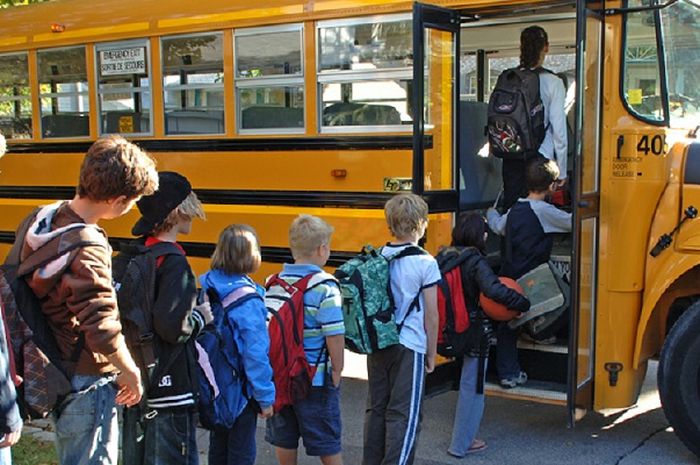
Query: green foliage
[
  {"x": 30, "y": 451},
  {"x": 8, "y": 3}
]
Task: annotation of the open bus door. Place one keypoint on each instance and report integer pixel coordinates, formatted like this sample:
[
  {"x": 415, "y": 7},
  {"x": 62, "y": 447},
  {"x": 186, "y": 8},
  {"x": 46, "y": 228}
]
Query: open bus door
[
  {"x": 586, "y": 207},
  {"x": 435, "y": 113}
]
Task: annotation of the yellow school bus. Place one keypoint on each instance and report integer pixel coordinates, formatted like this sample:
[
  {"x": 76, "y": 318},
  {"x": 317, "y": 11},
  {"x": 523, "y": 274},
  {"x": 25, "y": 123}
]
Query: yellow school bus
[{"x": 329, "y": 107}]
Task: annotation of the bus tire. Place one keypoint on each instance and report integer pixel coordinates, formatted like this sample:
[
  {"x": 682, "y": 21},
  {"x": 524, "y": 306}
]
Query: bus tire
[{"x": 679, "y": 378}]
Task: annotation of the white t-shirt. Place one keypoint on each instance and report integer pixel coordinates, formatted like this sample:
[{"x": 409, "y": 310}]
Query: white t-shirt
[
  {"x": 409, "y": 276},
  {"x": 553, "y": 97}
]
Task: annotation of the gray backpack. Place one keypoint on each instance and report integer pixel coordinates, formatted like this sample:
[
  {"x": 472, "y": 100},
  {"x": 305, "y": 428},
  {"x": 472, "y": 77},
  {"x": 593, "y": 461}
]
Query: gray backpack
[{"x": 515, "y": 126}]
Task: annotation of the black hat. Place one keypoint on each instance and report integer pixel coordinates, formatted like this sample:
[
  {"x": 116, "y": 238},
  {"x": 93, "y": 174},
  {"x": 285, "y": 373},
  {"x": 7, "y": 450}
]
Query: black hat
[{"x": 173, "y": 188}]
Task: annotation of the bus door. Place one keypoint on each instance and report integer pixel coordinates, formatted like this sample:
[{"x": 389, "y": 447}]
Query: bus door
[
  {"x": 586, "y": 204},
  {"x": 435, "y": 135}
]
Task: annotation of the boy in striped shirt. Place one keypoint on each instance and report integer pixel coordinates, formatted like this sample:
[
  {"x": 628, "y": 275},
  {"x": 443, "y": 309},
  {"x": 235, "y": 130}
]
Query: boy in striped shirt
[{"x": 315, "y": 419}]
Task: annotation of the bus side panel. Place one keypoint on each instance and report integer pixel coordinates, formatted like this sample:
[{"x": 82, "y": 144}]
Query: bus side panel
[{"x": 675, "y": 272}]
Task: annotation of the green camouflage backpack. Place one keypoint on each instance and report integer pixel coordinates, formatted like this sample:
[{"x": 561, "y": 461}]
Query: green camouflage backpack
[{"x": 368, "y": 304}]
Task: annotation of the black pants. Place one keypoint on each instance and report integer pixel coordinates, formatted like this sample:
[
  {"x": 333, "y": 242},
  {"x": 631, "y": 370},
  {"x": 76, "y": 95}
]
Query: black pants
[{"x": 514, "y": 179}]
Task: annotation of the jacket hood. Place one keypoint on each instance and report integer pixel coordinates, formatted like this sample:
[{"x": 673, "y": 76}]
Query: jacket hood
[
  {"x": 40, "y": 233},
  {"x": 224, "y": 284}
]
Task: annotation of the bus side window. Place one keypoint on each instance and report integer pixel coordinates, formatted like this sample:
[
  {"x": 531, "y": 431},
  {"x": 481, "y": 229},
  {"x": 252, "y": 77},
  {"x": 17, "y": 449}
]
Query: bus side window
[
  {"x": 270, "y": 79},
  {"x": 193, "y": 83},
  {"x": 15, "y": 101},
  {"x": 124, "y": 89},
  {"x": 64, "y": 94}
]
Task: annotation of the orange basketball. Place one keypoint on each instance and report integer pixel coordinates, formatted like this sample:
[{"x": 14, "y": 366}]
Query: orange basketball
[{"x": 496, "y": 311}]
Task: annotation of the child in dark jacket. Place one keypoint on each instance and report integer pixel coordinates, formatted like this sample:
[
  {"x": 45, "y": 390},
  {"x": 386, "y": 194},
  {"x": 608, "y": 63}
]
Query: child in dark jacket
[
  {"x": 169, "y": 418},
  {"x": 468, "y": 237},
  {"x": 528, "y": 228},
  {"x": 237, "y": 254}
]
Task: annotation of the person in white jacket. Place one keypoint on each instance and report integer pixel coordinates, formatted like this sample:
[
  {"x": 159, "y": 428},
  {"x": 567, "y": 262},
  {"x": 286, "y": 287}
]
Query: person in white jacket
[{"x": 534, "y": 46}]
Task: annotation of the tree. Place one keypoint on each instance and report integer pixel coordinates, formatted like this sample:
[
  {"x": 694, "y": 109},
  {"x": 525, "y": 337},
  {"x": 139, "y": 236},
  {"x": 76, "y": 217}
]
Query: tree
[{"x": 9, "y": 3}]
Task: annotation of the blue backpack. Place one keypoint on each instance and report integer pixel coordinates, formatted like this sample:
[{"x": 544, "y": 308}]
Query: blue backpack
[{"x": 222, "y": 381}]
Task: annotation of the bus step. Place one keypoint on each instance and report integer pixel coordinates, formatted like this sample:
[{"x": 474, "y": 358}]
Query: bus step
[{"x": 535, "y": 391}]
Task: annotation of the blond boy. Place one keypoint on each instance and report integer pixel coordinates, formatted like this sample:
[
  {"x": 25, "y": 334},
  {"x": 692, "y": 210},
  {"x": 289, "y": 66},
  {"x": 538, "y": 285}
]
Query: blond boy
[
  {"x": 315, "y": 419},
  {"x": 396, "y": 374},
  {"x": 172, "y": 388}
]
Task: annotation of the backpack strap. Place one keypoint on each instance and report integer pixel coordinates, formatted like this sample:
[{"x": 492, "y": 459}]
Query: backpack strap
[{"x": 407, "y": 251}]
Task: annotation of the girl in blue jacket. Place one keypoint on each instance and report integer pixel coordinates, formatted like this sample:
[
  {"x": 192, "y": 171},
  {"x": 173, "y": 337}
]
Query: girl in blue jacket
[{"x": 237, "y": 254}]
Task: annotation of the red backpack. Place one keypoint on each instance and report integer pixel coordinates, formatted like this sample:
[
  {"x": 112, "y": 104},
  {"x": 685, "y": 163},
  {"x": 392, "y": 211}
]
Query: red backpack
[
  {"x": 292, "y": 373},
  {"x": 454, "y": 339}
]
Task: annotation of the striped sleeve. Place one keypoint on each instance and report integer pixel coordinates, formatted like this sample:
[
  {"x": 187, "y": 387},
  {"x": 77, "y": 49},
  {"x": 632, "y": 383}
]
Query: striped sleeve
[{"x": 330, "y": 313}]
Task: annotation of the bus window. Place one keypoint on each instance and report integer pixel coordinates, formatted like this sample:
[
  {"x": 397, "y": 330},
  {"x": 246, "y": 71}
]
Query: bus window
[
  {"x": 15, "y": 98},
  {"x": 63, "y": 87},
  {"x": 124, "y": 87},
  {"x": 365, "y": 73},
  {"x": 193, "y": 84},
  {"x": 270, "y": 79},
  {"x": 641, "y": 85},
  {"x": 468, "y": 77},
  {"x": 682, "y": 40}
]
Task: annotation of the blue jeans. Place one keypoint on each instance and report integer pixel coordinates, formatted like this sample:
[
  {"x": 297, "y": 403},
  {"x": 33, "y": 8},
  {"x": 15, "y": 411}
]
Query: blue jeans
[
  {"x": 235, "y": 446},
  {"x": 470, "y": 408},
  {"x": 171, "y": 438},
  {"x": 87, "y": 432},
  {"x": 507, "y": 365},
  {"x": 133, "y": 436}
]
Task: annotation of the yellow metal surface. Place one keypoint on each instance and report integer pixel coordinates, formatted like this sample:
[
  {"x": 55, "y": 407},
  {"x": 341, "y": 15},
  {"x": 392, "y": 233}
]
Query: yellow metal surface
[
  {"x": 85, "y": 20},
  {"x": 278, "y": 171}
]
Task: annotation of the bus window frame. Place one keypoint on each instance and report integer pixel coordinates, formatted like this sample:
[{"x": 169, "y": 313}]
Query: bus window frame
[
  {"x": 185, "y": 87},
  {"x": 666, "y": 120},
  {"x": 57, "y": 95},
  {"x": 336, "y": 76},
  {"x": 19, "y": 98},
  {"x": 277, "y": 80},
  {"x": 100, "y": 46}
]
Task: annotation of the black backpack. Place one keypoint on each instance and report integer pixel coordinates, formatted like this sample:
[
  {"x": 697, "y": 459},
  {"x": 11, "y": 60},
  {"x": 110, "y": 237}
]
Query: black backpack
[
  {"x": 134, "y": 275},
  {"x": 515, "y": 126}
]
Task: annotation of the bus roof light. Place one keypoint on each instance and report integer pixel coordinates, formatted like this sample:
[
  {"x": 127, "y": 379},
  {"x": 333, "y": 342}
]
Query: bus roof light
[{"x": 56, "y": 27}]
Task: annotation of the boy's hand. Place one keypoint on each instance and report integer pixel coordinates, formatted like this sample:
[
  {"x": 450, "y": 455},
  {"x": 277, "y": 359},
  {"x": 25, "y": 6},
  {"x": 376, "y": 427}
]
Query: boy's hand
[
  {"x": 267, "y": 412},
  {"x": 204, "y": 309},
  {"x": 130, "y": 388},
  {"x": 429, "y": 363},
  {"x": 10, "y": 439}
]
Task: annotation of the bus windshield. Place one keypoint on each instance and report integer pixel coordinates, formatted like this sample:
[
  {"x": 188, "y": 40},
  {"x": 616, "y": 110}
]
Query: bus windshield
[{"x": 681, "y": 29}]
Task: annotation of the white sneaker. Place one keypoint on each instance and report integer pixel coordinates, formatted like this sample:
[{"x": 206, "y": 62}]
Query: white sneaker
[{"x": 510, "y": 383}]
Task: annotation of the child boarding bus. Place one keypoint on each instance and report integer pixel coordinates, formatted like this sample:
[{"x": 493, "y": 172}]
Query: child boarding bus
[{"x": 329, "y": 107}]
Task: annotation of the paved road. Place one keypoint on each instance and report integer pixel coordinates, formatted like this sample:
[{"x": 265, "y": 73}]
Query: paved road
[
  {"x": 522, "y": 433},
  {"x": 517, "y": 432}
]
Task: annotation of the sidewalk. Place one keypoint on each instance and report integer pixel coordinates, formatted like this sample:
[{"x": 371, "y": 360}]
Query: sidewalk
[{"x": 355, "y": 367}]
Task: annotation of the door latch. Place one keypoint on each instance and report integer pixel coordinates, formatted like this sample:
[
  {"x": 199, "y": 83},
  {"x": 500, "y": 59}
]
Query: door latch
[{"x": 613, "y": 368}]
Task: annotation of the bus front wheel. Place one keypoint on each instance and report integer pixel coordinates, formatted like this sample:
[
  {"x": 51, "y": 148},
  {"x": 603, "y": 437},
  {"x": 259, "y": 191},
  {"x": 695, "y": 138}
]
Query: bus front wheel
[{"x": 679, "y": 377}]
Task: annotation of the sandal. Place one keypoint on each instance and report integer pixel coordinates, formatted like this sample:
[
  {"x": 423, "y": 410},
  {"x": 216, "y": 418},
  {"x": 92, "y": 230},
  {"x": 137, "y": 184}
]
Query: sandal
[{"x": 477, "y": 446}]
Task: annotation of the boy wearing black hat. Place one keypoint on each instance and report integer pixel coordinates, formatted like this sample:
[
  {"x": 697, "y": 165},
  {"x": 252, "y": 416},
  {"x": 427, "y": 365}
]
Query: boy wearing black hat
[{"x": 169, "y": 420}]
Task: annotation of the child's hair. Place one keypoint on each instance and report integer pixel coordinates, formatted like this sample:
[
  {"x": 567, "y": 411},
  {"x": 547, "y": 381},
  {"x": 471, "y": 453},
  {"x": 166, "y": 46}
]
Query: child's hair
[
  {"x": 114, "y": 167},
  {"x": 469, "y": 231},
  {"x": 533, "y": 40},
  {"x": 540, "y": 174},
  {"x": 238, "y": 250},
  {"x": 406, "y": 214},
  {"x": 306, "y": 234},
  {"x": 190, "y": 208}
]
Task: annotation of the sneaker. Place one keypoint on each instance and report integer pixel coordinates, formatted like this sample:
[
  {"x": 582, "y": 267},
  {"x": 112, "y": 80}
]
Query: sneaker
[{"x": 510, "y": 383}]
